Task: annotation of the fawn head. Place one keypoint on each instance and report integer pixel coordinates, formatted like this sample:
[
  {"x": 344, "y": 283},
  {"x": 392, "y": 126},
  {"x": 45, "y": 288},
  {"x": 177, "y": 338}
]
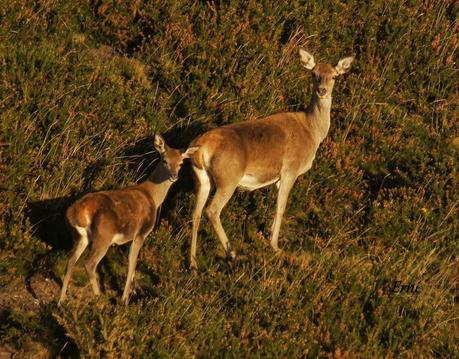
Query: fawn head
[{"x": 172, "y": 158}]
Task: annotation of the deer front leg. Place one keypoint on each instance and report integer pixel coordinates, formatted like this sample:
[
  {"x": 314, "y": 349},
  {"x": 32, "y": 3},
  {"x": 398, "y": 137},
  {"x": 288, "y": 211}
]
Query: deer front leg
[
  {"x": 133, "y": 255},
  {"x": 285, "y": 185}
]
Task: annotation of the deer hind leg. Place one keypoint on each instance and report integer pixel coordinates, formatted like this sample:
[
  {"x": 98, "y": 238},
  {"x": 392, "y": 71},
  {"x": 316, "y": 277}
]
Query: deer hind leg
[
  {"x": 133, "y": 255},
  {"x": 203, "y": 186},
  {"x": 285, "y": 185},
  {"x": 98, "y": 251},
  {"x": 80, "y": 246},
  {"x": 219, "y": 200}
]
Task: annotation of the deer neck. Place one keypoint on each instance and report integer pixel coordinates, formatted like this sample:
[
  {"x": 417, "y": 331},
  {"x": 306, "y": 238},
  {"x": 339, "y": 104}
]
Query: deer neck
[
  {"x": 158, "y": 184},
  {"x": 319, "y": 113}
]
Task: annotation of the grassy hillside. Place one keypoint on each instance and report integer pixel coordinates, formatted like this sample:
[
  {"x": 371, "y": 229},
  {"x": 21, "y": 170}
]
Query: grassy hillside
[{"x": 84, "y": 85}]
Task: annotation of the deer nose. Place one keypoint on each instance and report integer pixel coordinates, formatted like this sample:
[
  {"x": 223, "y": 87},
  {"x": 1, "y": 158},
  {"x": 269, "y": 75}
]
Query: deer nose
[
  {"x": 174, "y": 176},
  {"x": 322, "y": 91}
]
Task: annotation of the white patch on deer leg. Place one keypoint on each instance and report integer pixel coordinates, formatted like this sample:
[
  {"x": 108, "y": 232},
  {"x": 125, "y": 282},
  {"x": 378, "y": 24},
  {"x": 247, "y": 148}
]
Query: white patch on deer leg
[
  {"x": 119, "y": 239},
  {"x": 83, "y": 232},
  {"x": 250, "y": 182}
]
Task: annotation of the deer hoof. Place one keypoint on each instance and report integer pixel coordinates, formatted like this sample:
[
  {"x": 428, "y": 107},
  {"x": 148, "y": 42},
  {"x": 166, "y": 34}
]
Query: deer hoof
[
  {"x": 193, "y": 267},
  {"x": 231, "y": 255}
]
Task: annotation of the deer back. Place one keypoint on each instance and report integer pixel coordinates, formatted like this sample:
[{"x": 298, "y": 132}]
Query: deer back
[
  {"x": 261, "y": 146},
  {"x": 127, "y": 212}
]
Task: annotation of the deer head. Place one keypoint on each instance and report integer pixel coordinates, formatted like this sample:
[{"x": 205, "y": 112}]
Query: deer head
[
  {"x": 324, "y": 74},
  {"x": 171, "y": 158}
]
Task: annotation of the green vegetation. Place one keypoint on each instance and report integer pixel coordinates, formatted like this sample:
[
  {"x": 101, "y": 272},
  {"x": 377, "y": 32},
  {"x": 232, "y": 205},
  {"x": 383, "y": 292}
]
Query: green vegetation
[{"x": 83, "y": 86}]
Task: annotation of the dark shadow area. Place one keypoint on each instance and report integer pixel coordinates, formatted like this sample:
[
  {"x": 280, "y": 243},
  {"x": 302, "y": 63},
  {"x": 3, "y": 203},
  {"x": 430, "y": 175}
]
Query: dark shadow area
[
  {"x": 43, "y": 329},
  {"x": 226, "y": 265},
  {"x": 146, "y": 288},
  {"x": 453, "y": 10},
  {"x": 378, "y": 181},
  {"x": 141, "y": 157},
  {"x": 108, "y": 277},
  {"x": 48, "y": 220},
  {"x": 185, "y": 251},
  {"x": 53, "y": 335},
  {"x": 287, "y": 31}
]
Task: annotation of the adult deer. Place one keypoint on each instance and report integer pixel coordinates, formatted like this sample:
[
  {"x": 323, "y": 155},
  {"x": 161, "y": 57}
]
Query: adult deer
[
  {"x": 120, "y": 216},
  {"x": 256, "y": 153}
]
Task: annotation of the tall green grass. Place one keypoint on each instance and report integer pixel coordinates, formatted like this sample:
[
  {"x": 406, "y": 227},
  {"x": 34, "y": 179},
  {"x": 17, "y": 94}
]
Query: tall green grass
[{"x": 83, "y": 85}]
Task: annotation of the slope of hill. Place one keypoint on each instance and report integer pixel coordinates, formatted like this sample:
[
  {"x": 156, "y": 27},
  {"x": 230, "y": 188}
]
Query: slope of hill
[{"x": 85, "y": 84}]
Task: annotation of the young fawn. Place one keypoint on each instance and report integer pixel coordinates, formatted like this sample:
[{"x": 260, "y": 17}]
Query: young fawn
[
  {"x": 104, "y": 218},
  {"x": 252, "y": 154}
]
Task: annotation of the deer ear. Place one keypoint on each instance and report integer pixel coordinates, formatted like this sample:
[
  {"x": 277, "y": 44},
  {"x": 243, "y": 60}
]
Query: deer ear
[
  {"x": 307, "y": 59},
  {"x": 190, "y": 152},
  {"x": 344, "y": 65},
  {"x": 160, "y": 145}
]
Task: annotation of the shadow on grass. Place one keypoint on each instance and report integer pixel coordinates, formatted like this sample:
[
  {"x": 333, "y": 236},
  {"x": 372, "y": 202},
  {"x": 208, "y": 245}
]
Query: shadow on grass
[
  {"x": 49, "y": 226},
  {"x": 37, "y": 336},
  {"x": 48, "y": 220}
]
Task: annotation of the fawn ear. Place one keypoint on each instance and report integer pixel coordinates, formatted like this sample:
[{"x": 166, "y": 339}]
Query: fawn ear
[
  {"x": 160, "y": 144},
  {"x": 190, "y": 152},
  {"x": 307, "y": 59},
  {"x": 344, "y": 65}
]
